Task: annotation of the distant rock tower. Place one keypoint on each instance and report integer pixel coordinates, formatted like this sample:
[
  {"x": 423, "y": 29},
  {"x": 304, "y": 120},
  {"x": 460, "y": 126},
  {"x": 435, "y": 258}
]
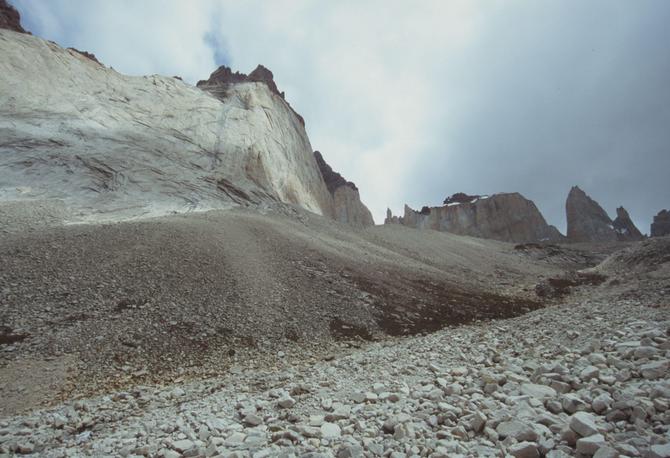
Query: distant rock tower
[
  {"x": 625, "y": 230},
  {"x": 346, "y": 200},
  {"x": 587, "y": 221},
  {"x": 661, "y": 224},
  {"x": 508, "y": 217}
]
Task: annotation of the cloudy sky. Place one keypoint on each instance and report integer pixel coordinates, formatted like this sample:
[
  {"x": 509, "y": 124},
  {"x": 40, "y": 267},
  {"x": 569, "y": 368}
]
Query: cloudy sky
[{"x": 417, "y": 100}]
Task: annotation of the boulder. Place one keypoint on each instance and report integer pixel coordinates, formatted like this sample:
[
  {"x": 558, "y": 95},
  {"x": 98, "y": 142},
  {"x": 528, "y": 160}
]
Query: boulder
[
  {"x": 660, "y": 451},
  {"x": 584, "y": 424},
  {"x": 625, "y": 230},
  {"x": 606, "y": 452},
  {"x": 524, "y": 450},
  {"x": 538, "y": 391},
  {"x": 587, "y": 221},
  {"x": 655, "y": 369},
  {"x": 519, "y": 430},
  {"x": 589, "y": 445},
  {"x": 661, "y": 224},
  {"x": 330, "y": 430}
]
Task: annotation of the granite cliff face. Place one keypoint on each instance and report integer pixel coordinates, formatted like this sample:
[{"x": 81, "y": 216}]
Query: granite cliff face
[
  {"x": 347, "y": 204},
  {"x": 661, "y": 225},
  {"x": 223, "y": 77},
  {"x": 104, "y": 146},
  {"x": 624, "y": 227},
  {"x": 587, "y": 221},
  {"x": 507, "y": 217}
]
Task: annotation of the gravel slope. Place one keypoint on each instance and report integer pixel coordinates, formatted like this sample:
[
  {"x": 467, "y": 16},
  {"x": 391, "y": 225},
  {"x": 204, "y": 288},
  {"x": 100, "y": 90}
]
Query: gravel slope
[
  {"x": 519, "y": 387},
  {"x": 162, "y": 298},
  {"x": 259, "y": 333}
]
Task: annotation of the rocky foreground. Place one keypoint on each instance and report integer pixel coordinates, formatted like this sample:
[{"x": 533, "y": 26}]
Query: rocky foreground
[{"x": 597, "y": 384}]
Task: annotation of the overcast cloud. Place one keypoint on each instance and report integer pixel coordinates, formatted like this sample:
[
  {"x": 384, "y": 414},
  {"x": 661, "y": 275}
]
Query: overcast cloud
[{"x": 418, "y": 100}]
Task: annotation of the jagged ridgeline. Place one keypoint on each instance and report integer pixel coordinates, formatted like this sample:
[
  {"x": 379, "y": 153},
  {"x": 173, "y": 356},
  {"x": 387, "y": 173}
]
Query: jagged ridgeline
[{"x": 510, "y": 217}]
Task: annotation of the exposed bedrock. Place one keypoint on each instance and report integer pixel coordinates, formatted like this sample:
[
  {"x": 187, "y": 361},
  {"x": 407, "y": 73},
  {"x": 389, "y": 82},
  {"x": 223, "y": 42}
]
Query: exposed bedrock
[{"x": 508, "y": 217}]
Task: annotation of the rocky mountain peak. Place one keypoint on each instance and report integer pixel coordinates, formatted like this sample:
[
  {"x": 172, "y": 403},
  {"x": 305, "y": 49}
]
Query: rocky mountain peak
[
  {"x": 333, "y": 179},
  {"x": 661, "y": 224},
  {"x": 587, "y": 220},
  {"x": 263, "y": 75},
  {"x": 622, "y": 213},
  {"x": 10, "y": 18},
  {"x": 460, "y": 198},
  {"x": 224, "y": 75},
  {"x": 507, "y": 217},
  {"x": 347, "y": 203},
  {"x": 625, "y": 228},
  {"x": 87, "y": 55},
  {"x": 222, "y": 78}
]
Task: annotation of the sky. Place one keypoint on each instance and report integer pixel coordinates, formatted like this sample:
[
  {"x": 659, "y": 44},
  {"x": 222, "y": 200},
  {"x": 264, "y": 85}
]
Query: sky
[{"x": 415, "y": 101}]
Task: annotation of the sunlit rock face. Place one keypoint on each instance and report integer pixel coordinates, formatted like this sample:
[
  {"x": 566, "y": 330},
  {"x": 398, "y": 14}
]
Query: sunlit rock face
[
  {"x": 624, "y": 227},
  {"x": 223, "y": 78},
  {"x": 110, "y": 146},
  {"x": 587, "y": 221},
  {"x": 507, "y": 217}
]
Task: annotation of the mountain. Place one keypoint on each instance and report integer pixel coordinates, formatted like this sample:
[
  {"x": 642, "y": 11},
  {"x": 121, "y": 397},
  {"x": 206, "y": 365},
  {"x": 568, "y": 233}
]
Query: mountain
[
  {"x": 661, "y": 224},
  {"x": 624, "y": 227},
  {"x": 507, "y": 217},
  {"x": 270, "y": 329},
  {"x": 346, "y": 200},
  {"x": 82, "y": 142},
  {"x": 587, "y": 221}
]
